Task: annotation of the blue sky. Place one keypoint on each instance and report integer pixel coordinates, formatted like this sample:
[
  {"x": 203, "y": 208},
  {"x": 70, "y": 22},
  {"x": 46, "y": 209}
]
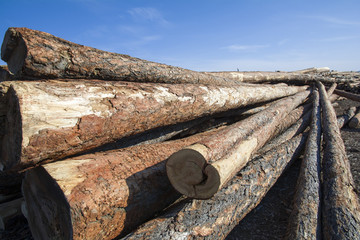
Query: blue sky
[{"x": 201, "y": 35}]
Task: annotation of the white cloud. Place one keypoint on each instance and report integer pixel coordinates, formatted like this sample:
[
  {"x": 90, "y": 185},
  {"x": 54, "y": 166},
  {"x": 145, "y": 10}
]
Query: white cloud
[
  {"x": 335, "y": 21},
  {"x": 148, "y": 14},
  {"x": 236, "y": 47}
]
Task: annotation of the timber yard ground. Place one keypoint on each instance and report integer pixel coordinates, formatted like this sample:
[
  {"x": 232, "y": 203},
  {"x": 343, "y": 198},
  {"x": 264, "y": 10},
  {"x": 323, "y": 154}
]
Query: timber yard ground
[{"x": 269, "y": 219}]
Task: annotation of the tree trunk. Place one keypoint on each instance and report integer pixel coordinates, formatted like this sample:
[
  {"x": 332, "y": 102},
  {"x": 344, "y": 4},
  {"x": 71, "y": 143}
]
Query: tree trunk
[
  {"x": 54, "y": 119},
  {"x": 304, "y": 222},
  {"x": 214, "y": 218},
  {"x": 200, "y": 170},
  {"x": 261, "y": 77},
  {"x": 8, "y": 211},
  {"x": 38, "y": 55},
  {"x": 352, "y": 96},
  {"x": 355, "y": 120},
  {"x": 341, "y": 209},
  {"x": 313, "y": 70},
  {"x": 345, "y": 118},
  {"x": 100, "y": 195}
]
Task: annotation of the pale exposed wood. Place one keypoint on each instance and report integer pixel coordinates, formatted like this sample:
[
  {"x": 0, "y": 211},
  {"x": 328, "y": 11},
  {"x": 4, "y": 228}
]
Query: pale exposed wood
[
  {"x": 54, "y": 119},
  {"x": 100, "y": 195},
  {"x": 214, "y": 218},
  {"x": 8, "y": 211},
  {"x": 304, "y": 221},
  {"x": 200, "y": 170},
  {"x": 341, "y": 209}
]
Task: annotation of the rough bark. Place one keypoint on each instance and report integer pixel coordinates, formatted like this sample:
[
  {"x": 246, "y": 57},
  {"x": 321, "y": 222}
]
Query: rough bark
[
  {"x": 54, "y": 119},
  {"x": 304, "y": 221},
  {"x": 100, "y": 195},
  {"x": 201, "y": 169},
  {"x": 355, "y": 120},
  {"x": 341, "y": 209},
  {"x": 35, "y": 54},
  {"x": 8, "y": 211},
  {"x": 214, "y": 218},
  {"x": 352, "y": 96},
  {"x": 261, "y": 77}
]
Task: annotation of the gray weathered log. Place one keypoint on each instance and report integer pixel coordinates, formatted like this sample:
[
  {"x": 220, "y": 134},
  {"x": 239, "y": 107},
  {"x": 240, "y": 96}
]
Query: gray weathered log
[
  {"x": 200, "y": 170},
  {"x": 355, "y": 120},
  {"x": 304, "y": 221},
  {"x": 341, "y": 209},
  {"x": 54, "y": 119},
  {"x": 214, "y": 218},
  {"x": 352, "y": 96},
  {"x": 345, "y": 118},
  {"x": 100, "y": 195},
  {"x": 35, "y": 54}
]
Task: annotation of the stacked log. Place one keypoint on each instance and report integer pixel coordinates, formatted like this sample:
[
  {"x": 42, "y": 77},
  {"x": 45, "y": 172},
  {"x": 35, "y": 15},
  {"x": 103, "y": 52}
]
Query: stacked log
[
  {"x": 103, "y": 142},
  {"x": 355, "y": 120}
]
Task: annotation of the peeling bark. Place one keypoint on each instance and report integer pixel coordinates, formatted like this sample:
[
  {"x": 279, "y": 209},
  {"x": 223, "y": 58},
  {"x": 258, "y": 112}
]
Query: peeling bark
[
  {"x": 304, "y": 221},
  {"x": 201, "y": 169},
  {"x": 100, "y": 195},
  {"x": 54, "y": 119},
  {"x": 341, "y": 209},
  {"x": 352, "y": 96},
  {"x": 214, "y": 218},
  {"x": 35, "y": 54}
]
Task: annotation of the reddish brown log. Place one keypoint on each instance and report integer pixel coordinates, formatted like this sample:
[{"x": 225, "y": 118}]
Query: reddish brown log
[
  {"x": 304, "y": 221},
  {"x": 54, "y": 119},
  {"x": 214, "y": 218},
  {"x": 35, "y": 54},
  {"x": 341, "y": 209},
  {"x": 355, "y": 120},
  {"x": 100, "y": 195},
  {"x": 200, "y": 170},
  {"x": 352, "y": 96}
]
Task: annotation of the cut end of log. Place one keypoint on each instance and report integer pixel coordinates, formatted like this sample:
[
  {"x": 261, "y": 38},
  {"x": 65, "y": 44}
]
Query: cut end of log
[
  {"x": 13, "y": 50},
  {"x": 190, "y": 174},
  {"x": 47, "y": 209},
  {"x": 12, "y": 139}
]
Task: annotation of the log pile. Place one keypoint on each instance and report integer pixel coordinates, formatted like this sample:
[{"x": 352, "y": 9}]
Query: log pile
[{"x": 99, "y": 145}]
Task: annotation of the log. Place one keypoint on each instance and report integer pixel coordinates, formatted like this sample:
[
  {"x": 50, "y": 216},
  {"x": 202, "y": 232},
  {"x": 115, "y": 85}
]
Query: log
[
  {"x": 341, "y": 209},
  {"x": 100, "y": 195},
  {"x": 304, "y": 221},
  {"x": 4, "y": 74},
  {"x": 8, "y": 211},
  {"x": 214, "y": 218},
  {"x": 345, "y": 118},
  {"x": 32, "y": 54},
  {"x": 55, "y": 119},
  {"x": 200, "y": 170},
  {"x": 352, "y": 96},
  {"x": 355, "y": 120},
  {"x": 313, "y": 70},
  {"x": 275, "y": 77}
]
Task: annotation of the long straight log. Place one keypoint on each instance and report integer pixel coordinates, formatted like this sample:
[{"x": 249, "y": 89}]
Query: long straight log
[
  {"x": 35, "y": 54},
  {"x": 304, "y": 221},
  {"x": 100, "y": 195},
  {"x": 201, "y": 169},
  {"x": 355, "y": 120},
  {"x": 261, "y": 77},
  {"x": 214, "y": 218},
  {"x": 352, "y": 96},
  {"x": 341, "y": 209},
  {"x": 54, "y": 119}
]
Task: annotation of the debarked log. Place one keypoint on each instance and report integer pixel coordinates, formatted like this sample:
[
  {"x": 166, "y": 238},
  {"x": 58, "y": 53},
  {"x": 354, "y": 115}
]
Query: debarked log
[
  {"x": 200, "y": 170},
  {"x": 352, "y": 96},
  {"x": 304, "y": 221},
  {"x": 355, "y": 120},
  {"x": 100, "y": 195},
  {"x": 35, "y": 54},
  {"x": 54, "y": 119},
  {"x": 341, "y": 209},
  {"x": 214, "y": 218}
]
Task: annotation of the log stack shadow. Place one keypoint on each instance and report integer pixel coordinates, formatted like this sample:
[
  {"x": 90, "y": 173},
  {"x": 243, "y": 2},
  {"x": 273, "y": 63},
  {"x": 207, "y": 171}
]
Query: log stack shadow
[{"x": 99, "y": 145}]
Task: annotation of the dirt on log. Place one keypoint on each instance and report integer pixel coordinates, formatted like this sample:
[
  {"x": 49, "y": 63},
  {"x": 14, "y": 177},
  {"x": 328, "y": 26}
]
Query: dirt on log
[
  {"x": 341, "y": 209},
  {"x": 49, "y": 120},
  {"x": 200, "y": 170}
]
